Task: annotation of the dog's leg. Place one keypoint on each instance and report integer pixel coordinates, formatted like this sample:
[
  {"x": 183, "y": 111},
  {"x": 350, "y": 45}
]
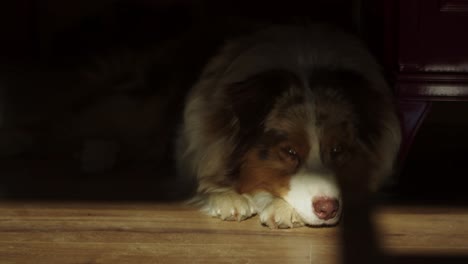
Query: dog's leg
[
  {"x": 275, "y": 212},
  {"x": 226, "y": 204}
]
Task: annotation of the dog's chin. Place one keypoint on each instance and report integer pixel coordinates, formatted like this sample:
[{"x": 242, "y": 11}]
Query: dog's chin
[{"x": 323, "y": 223}]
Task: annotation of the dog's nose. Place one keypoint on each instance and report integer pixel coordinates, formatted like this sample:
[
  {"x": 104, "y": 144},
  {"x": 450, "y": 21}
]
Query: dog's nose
[{"x": 325, "y": 207}]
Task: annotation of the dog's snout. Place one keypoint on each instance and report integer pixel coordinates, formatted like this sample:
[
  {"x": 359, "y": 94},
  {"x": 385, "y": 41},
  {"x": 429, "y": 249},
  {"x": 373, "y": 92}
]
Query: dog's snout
[{"x": 325, "y": 207}]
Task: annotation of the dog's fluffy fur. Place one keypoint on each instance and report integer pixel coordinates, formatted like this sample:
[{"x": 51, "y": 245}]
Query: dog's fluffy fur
[{"x": 273, "y": 119}]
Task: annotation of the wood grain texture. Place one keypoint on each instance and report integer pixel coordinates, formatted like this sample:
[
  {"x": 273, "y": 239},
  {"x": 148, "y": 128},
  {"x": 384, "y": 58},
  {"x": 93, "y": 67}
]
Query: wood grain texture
[{"x": 74, "y": 232}]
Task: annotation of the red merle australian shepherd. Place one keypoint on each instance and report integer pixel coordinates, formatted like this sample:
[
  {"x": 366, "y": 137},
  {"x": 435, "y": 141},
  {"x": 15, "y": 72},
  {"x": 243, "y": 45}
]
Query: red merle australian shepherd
[{"x": 275, "y": 116}]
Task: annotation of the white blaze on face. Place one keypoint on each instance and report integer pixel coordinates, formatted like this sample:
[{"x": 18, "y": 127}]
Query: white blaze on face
[
  {"x": 313, "y": 182},
  {"x": 305, "y": 187}
]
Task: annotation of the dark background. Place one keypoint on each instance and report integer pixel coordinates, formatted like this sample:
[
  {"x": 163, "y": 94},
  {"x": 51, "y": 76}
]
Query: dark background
[{"x": 57, "y": 37}]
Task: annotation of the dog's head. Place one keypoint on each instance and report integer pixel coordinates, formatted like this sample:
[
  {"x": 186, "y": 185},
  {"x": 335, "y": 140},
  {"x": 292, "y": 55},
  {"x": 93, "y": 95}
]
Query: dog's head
[{"x": 297, "y": 136}]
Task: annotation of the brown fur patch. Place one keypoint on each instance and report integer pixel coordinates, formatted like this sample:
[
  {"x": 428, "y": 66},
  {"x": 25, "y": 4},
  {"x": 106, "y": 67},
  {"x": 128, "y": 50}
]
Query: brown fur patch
[
  {"x": 245, "y": 107},
  {"x": 270, "y": 165},
  {"x": 280, "y": 144},
  {"x": 271, "y": 175}
]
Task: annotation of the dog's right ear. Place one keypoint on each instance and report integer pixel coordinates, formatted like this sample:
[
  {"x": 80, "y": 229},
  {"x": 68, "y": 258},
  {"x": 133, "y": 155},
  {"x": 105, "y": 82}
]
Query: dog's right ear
[{"x": 252, "y": 99}]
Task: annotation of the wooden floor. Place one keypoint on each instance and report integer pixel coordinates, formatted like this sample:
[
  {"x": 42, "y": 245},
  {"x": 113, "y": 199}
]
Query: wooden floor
[{"x": 115, "y": 232}]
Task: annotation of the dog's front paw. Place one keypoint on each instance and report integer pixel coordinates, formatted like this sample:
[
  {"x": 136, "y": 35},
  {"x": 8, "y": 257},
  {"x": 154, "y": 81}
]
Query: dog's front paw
[
  {"x": 229, "y": 205},
  {"x": 279, "y": 214}
]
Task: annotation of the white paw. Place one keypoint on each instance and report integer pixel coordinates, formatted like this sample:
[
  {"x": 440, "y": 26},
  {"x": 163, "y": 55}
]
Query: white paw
[
  {"x": 279, "y": 214},
  {"x": 229, "y": 205}
]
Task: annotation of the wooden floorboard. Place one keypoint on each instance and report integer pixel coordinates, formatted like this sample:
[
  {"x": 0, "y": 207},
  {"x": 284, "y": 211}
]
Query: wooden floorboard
[{"x": 137, "y": 232}]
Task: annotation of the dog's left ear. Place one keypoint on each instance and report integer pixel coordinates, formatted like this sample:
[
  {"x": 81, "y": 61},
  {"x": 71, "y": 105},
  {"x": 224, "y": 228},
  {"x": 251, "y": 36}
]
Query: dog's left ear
[{"x": 252, "y": 99}]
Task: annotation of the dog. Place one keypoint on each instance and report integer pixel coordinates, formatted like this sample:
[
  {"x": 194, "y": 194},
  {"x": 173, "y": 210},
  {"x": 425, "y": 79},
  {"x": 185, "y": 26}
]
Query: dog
[{"x": 276, "y": 115}]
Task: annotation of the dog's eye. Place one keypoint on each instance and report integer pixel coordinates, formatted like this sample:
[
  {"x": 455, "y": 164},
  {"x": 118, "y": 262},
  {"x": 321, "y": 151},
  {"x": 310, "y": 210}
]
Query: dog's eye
[
  {"x": 289, "y": 157},
  {"x": 336, "y": 150},
  {"x": 292, "y": 152},
  {"x": 337, "y": 154},
  {"x": 289, "y": 153}
]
